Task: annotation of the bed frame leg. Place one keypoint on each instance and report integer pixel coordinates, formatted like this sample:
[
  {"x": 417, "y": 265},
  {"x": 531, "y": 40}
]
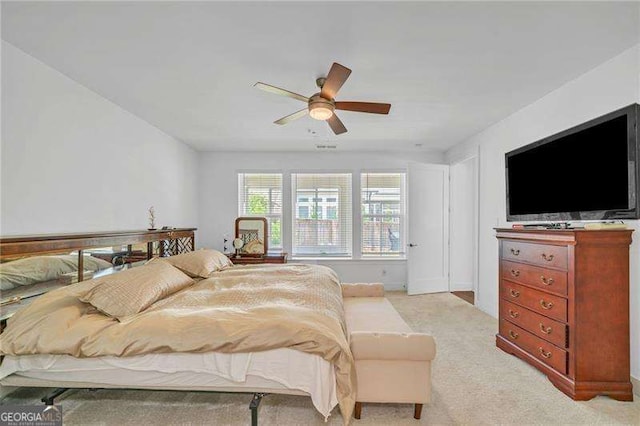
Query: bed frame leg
[
  {"x": 357, "y": 411},
  {"x": 253, "y": 406},
  {"x": 48, "y": 399},
  {"x": 417, "y": 411}
]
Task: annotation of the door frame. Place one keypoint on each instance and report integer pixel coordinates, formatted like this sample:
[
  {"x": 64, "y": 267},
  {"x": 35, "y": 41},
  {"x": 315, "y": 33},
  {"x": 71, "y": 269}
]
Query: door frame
[{"x": 475, "y": 157}]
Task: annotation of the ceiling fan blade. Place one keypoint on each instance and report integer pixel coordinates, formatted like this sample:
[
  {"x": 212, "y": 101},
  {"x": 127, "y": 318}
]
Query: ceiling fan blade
[
  {"x": 289, "y": 118},
  {"x": 338, "y": 74},
  {"x": 279, "y": 91},
  {"x": 370, "y": 107},
  {"x": 336, "y": 125}
]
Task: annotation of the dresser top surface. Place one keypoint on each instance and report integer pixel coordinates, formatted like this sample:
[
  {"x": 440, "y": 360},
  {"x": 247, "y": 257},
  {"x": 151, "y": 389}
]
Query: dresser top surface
[
  {"x": 543, "y": 230},
  {"x": 567, "y": 236}
]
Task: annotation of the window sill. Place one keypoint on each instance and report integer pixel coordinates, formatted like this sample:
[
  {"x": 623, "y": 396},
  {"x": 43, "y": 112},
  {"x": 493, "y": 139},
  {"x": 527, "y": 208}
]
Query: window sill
[
  {"x": 383, "y": 258},
  {"x": 321, "y": 258},
  {"x": 351, "y": 259}
]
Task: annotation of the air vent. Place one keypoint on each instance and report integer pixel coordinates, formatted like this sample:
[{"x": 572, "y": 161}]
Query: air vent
[{"x": 326, "y": 146}]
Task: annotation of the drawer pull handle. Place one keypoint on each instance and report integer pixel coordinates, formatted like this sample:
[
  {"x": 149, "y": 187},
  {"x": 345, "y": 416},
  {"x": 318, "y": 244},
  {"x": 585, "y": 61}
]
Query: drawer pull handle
[
  {"x": 544, "y": 353},
  {"x": 546, "y": 281},
  {"x": 547, "y": 257},
  {"x": 546, "y": 305},
  {"x": 514, "y": 293},
  {"x": 515, "y": 252},
  {"x": 545, "y": 330},
  {"x": 513, "y": 334},
  {"x": 515, "y": 272},
  {"x": 513, "y": 314}
]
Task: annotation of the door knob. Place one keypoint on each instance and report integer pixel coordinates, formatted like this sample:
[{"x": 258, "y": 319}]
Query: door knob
[{"x": 413, "y": 245}]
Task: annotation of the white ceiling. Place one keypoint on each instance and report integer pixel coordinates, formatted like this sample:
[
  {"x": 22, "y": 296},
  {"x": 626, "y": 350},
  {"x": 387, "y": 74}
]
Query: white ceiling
[{"x": 449, "y": 69}]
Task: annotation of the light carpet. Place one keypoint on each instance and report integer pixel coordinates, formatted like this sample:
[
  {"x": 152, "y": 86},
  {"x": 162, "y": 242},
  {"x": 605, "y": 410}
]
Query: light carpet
[{"x": 474, "y": 383}]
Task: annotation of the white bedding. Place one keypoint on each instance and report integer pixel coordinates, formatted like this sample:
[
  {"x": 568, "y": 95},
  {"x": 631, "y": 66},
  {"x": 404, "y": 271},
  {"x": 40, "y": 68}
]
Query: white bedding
[{"x": 288, "y": 368}]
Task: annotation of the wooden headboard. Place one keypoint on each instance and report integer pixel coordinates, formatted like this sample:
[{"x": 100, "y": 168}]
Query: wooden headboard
[
  {"x": 173, "y": 241},
  {"x": 167, "y": 243}
]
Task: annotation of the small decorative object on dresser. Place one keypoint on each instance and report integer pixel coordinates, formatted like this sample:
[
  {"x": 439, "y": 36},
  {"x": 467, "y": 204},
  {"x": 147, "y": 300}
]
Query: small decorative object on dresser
[
  {"x": 152, "y": 219},
  {"x": 238, "y": 243},
  {"x": 564, "y": 307}
]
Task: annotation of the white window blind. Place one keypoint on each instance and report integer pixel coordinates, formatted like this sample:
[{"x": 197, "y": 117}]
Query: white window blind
[
  {"x": 383, "y": 214},
  {"x": 260, "y": 194},
  {"x": 322, "y": 214}
]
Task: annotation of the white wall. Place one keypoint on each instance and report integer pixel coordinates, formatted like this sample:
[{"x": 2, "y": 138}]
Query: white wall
[
  {"x": 73, "y": 161},
  {"x": 219, "y": 198},
  {"x": 611, "y": 85},
  {"x": 462, "y": 211}
]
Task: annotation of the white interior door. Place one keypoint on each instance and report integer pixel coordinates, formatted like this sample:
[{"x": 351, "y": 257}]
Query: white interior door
[{"x": 428, "y": 239}]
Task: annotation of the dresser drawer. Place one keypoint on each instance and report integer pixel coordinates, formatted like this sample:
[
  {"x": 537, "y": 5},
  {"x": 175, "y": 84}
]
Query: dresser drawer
[
  {"x": 543, "y": 327},
  {"x": 537, "y": 254},
  {"x": 547, "y": 279},
  {"x": 541, "y": 349},
  {"x": 543, "y": 303}
]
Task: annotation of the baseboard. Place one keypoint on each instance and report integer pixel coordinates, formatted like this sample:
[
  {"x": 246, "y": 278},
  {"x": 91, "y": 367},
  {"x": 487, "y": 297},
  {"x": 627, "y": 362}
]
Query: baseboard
[
  {"x": 460, "y": 286},
  {"x": 394, "y": 286},
  {"x": 636, "y": 386}
]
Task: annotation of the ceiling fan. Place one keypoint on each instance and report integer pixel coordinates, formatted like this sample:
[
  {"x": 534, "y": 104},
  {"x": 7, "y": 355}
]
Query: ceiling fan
[{"x": 322, "y": 105}]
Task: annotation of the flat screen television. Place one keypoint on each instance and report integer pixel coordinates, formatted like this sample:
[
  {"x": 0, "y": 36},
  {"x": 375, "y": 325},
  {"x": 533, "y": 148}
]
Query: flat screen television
[{"x": 588, "y": 172}]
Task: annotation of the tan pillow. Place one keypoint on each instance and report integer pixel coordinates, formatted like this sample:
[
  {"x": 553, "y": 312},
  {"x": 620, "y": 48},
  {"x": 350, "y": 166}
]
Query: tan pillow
[
  {"x": 200, "y": 263},
  {"x": 128, "y": 292},
  {"x": 38, "y": 269}
]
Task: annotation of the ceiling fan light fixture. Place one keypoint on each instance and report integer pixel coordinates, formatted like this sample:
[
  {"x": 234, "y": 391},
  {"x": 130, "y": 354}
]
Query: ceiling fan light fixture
[{"x": 320, "y": 112}]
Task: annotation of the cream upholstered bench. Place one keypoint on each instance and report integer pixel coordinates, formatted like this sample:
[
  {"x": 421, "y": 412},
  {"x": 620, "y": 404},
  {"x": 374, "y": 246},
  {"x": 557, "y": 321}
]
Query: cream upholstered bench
[{"x": 393, "y": 364}]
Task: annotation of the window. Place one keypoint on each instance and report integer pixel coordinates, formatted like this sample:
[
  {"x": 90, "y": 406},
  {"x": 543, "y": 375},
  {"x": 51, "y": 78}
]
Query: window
[
  {"x": 260, "y": 194},
  {"x": 383, "y": 214},
  {"x": 322, "y": 214},
  {"x": 303, "y": 212},
  {"x": 332, "y": 212}
]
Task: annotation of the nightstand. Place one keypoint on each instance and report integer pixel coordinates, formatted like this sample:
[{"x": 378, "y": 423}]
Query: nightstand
[{"x": 252, "y": 260}]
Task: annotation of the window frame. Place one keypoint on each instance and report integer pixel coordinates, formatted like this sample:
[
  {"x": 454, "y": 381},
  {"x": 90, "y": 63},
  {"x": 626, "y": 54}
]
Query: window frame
[
  {"x": 268, "y": 216},
  {"x": 347, "y": 240},
  {"x": 403, "y": 217}
]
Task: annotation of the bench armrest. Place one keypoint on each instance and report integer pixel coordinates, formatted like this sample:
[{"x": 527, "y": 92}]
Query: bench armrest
[
  {"x": 392, "y": 346},
  {"x": 362, "y": 289}
]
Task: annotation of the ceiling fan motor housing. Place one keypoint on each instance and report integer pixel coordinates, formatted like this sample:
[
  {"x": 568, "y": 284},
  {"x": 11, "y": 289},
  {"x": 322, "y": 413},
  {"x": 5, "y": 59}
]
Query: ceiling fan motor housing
[{"x": 321, "y": 108}]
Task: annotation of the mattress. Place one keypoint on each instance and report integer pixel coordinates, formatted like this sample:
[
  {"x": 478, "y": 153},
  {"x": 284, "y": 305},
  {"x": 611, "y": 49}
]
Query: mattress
[{"x": 279, "y": 369}]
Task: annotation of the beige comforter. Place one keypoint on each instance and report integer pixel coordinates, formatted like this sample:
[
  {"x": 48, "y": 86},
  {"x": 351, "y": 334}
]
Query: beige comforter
[{"x": 241, "y": 309}]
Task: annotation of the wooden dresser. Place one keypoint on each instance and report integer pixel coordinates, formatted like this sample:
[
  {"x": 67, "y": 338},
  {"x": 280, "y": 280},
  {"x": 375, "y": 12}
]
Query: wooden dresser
[
  {"x": 252, "y": 260},
  {"x": 564, "y": 307}
]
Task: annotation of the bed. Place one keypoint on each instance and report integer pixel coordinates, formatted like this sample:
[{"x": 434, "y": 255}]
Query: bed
[{"x": 255, "y": 329}]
